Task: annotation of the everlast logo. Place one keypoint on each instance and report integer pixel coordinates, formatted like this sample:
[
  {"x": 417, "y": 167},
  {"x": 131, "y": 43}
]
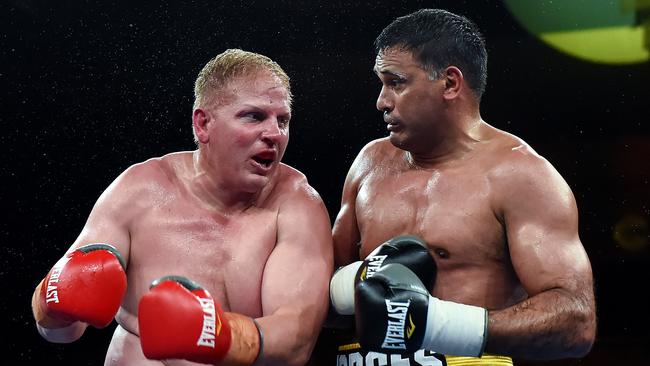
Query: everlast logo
[
  {"x": 52, "y": 293},
  {"x": 209, "y": 324},
  {"x": 374, "y": 263},
  {"x": 396, "y": 326}
]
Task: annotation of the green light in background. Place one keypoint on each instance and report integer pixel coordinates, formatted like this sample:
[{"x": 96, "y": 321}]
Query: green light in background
[
  {"x": 603, "y": 31},
  {"x": 631, "y": 232}
]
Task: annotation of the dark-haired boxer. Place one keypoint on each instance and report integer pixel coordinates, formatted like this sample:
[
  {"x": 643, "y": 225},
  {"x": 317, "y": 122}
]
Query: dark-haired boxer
[
  {"x": 513, "y": 277},
  {"x": 222, "y": 255}
]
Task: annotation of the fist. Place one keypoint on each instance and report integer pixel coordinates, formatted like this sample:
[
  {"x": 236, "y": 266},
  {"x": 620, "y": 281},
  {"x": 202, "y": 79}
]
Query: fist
[
  {"x": 391, "y": 310},
  {"x": 86, "y": 285},
  {"x": 407, "y": 250},
  {"x": 178, "y": 319}
]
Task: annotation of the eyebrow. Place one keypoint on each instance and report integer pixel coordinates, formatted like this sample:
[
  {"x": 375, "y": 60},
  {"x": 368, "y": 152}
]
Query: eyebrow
[
  {"x": 387, "y": 72},
  {"x": 253, "y": 105},
  {"x": 263, "y": 110}
]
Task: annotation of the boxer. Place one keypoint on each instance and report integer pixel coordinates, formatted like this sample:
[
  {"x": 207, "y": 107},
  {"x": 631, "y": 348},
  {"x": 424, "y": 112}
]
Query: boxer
[
  {"x": 513, "y": 278},
  {"x": 221, "y": 255}
]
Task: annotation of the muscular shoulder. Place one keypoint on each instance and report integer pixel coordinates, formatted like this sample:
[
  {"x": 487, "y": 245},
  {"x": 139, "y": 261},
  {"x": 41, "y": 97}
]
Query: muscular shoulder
[
  {"x": 154, "y": 176},
  {"x": 376, "y": 154},
  {"x": 143, "y": 173},
  {"x": 293, "y": 185},
  {"x": 377, "y": 150},
  {"x": 517, "y": 172},
  {"x": 513, "y": 159}
]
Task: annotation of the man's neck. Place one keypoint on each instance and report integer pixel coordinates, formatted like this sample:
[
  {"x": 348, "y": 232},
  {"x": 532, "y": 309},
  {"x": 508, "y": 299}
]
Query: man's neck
[
  {"x": 216, "y": 192},
  {"x": 456, "y": 143}
]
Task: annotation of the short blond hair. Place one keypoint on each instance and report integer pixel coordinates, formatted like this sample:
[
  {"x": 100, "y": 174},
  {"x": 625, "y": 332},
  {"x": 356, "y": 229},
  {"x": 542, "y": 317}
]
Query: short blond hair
[{"x": 229, "y": 65}]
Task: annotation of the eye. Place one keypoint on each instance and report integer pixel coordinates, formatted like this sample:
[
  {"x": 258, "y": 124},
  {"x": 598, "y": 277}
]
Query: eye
[
  {"x": 395, "y": 82},
  {"x": 284, "y": 121},
  {"x": 257, "y": 116}
]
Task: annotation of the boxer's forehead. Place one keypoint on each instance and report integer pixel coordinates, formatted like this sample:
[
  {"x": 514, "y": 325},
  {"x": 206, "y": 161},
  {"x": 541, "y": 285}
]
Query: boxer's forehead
[
  {"x": 261, "y": 87},
  {"x": 395, "y": 61}
]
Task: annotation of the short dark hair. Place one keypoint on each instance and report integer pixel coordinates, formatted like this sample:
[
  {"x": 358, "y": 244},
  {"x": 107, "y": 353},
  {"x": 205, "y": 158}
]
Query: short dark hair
[{"x": 437, "y": 39}]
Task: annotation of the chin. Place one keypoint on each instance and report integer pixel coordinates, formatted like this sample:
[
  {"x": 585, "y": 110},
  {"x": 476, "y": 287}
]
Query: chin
[
  {"x": 398, "y": 141},
  {"x": 254, "y": 183}
]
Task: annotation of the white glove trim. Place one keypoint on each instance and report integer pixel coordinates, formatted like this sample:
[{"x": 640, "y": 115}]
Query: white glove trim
[
  {"x": 342, "y": 288},
  {"x": 455, "y": 329},
  {"x": 66, "y": 334}
]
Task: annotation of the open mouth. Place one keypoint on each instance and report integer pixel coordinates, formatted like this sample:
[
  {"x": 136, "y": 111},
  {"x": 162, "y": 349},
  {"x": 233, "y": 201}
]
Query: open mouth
[
  {"x": 264, "y": 162},
  {"x": 265, "y": 158}
]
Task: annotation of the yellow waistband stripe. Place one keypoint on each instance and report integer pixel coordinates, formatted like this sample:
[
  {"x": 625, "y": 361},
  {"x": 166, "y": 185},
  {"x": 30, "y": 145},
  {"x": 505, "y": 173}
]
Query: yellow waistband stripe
[
  {"x": 485, "y": 360},
  {"x": 347, "y": 347}
]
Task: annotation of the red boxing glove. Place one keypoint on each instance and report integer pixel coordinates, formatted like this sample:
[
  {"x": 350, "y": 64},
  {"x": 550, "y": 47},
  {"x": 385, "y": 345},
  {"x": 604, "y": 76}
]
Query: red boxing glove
[
  {"x": 85, "y": 285},
  {"x": 178, "y": 319}
]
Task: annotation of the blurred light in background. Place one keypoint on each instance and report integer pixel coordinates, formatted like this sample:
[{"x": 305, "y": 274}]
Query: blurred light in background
[
  {"x": 602, "y": 31},
  {"x": 631, "y": 232}
]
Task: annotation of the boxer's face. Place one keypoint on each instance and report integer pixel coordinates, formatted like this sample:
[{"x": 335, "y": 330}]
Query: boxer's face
[
  {"x": 249, "y": 131},
  {"x": 411, "y": 102}
]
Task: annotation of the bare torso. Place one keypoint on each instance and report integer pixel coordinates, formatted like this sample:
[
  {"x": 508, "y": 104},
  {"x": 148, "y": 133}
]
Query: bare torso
[
  {"x": 173, "y": 233},
  {"x": 453, "y": 208}
]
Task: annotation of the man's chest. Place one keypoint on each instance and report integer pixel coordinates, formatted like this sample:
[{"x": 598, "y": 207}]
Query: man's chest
[
  {"x": 225, "y": 254},
  {"x": 452, "y": 212},
  {"x": 184, "y": 227}
]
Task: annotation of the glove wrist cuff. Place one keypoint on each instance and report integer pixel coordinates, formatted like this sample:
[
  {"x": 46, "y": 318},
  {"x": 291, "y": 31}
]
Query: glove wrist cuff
[
  {"x": 260, "y": 354},
  {"x": 455, "y": 329},
  {"x": 67, "y": 334},
  {"x": 342, "y": 288}
]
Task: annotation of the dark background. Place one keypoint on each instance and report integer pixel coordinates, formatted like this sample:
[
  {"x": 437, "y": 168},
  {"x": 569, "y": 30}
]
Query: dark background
[{"x": 89, "y": 88}]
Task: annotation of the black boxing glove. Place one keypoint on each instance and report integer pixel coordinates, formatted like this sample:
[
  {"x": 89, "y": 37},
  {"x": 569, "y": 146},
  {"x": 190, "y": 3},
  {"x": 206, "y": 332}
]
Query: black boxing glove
[
  {"x": 407, "y": 250},
  {"x": 391, "y": 310},
  {"x": 394, "y": 311}
]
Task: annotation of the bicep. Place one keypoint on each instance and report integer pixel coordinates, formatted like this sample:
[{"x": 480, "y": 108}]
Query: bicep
[
  {"x": 107, "y": 222},
  {"x": 345, "y": 232},
  {"x": 346, "y": 235},
  {"x": 297, "y": 273},
  {"x": 541, "y": 219}
]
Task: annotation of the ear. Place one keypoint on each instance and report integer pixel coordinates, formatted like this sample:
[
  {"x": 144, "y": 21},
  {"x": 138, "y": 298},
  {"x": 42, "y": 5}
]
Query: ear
[
  {"x": 453, "y": 78},
  {"x": 200, "y": 120}
]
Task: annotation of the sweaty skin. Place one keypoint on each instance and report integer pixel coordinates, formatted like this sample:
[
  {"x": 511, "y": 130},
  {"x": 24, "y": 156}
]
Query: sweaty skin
[
  {"x": 256, "y": 237},
  {"x": 499, "y": 220}
]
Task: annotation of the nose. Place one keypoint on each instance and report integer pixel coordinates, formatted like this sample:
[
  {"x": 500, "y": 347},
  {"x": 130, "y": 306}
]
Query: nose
[
  {"x": 384, "y": 101},
  {"x": 272, "y": 132}
]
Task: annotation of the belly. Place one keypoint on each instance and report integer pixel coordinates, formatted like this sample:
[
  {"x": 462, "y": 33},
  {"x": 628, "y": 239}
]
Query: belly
[{"x": 125, "y": 349}]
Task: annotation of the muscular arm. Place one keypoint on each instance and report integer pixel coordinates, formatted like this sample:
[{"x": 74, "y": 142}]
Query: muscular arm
[
  {"x": 346, "y": 230},
  {"x": 541, "y": 219},
  {"x": 107, "y": 223},
  {"x": 296, "y": 278}
]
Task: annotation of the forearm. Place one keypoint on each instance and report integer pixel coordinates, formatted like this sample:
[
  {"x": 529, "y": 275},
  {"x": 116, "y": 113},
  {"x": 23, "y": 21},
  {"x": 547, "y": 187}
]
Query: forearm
[
  {"x": 246, "y": 341},
  {"x": 550, "y": 325},
  {"x": 289, "y": 338},
  {"x": 280, "y": 340}
]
